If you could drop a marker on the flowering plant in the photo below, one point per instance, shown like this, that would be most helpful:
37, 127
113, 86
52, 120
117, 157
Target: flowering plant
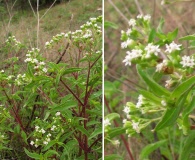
52, 110
166, 104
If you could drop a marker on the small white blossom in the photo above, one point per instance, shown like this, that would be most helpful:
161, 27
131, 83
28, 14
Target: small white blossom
45, 142
187, 61
107, 122
2, 71
140, 16
58, 113
147, 17
135, 126
45, 70
116, 143
36, 145
168, 83
53, 127
41, 63
42, 130
172, 47
124, 120
129, 31
32, 143
135, 53
152, 49
163, 102
126, 109
37, 128
162, 2
126, 43
140, 101
160, 66
132, 22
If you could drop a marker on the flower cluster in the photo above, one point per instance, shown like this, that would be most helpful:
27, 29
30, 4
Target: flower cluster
13, 40
22, 79
33, 59
45, 131
87, 31
55, 39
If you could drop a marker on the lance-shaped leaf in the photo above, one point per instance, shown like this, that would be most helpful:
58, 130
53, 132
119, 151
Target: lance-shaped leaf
178, 91
188, 145
154, 87
150, 96
172, 113
146, 151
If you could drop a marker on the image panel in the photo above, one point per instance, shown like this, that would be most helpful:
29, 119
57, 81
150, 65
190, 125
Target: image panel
149, 80
51, 79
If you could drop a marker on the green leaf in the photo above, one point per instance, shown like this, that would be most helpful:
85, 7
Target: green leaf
188, 145
116, 131
32, 155
160, 26
150, 96
50, 153
24, 136
183, 87
113, 157
112, 116
50, 144
64, 106
172, 35
190, 37
83, 130
95, 133
154, 87
146, 151
108, 24
71, 70
151, 35
172, 112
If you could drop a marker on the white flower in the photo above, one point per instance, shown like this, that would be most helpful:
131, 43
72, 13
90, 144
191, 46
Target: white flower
126, 109
124, 120
32, 143
168, 83
132, 22
36, 145
140, 16
37, 128
162, 2
34, 61
163, 102
58, 113
160, 66
135, 126
107, 122
49, 135
45, 70
41, 63
126, 43
42, 130
172, 47
147, 17
140, 101
53, 127
2, 71
27, 55
129, 31
187, 61
116, 143
152, 49
45, 142
135, 53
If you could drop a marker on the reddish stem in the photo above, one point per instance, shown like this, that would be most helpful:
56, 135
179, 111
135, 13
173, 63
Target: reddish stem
122, 136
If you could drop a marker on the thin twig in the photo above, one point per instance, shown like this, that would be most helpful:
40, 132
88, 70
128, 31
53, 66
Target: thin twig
32, 8
38, 20
48, 9
116, 8
138, 6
